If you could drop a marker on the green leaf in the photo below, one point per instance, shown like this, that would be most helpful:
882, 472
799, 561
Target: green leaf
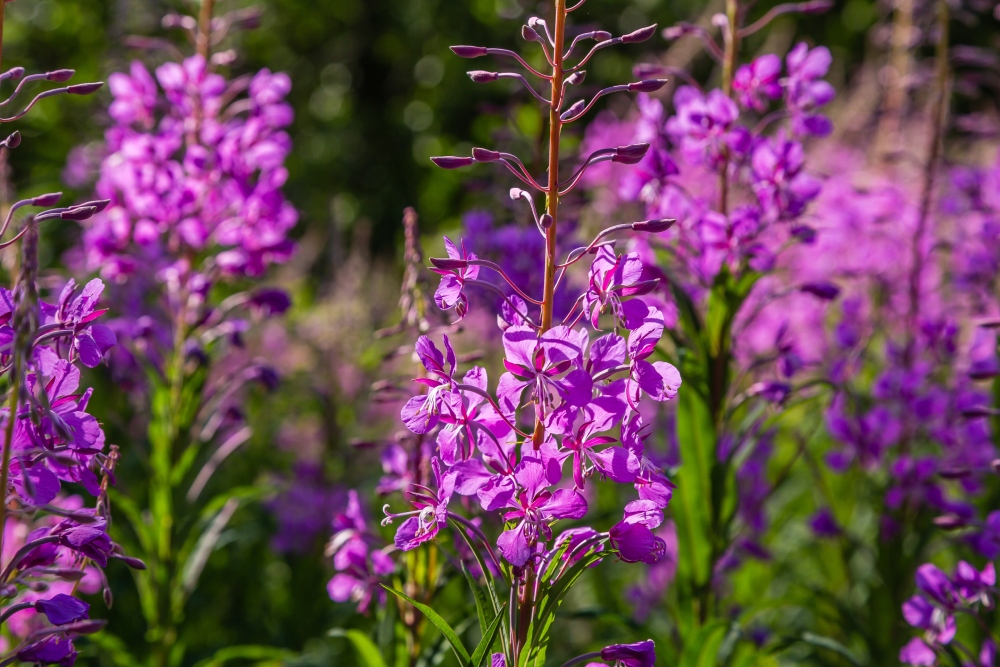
494, 599
480, 597
831, 644
261, 654
442, 625
483, 650
113, 648
363, 644
703, 648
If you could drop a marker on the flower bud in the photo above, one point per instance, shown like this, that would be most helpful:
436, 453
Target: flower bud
469, 51
545, 221
14, 73
978, 411
647, 86
804, 233
647, 71
46, 199
528, 34
481, 76
653, 226
84, 88
78, 213
13, 140
630, 154
821, 289
517, 193
451, 162
573, 110
99, 204
485, 155
989, 323
602, 35
60, 75
640, 35
576, 78
955, 473
449, 264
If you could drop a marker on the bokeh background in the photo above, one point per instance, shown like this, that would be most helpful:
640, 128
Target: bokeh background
376, 93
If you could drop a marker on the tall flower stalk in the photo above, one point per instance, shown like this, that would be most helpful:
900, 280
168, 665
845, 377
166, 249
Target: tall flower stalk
193, 173
563, 402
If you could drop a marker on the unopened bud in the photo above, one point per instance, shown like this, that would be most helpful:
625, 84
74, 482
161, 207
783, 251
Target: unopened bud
989, 323
630, 154
469, 51
84, 88
481, 76
545, 221
485, 155
60, 75
647, 86
448, 263
451, 162
573, 110
576, 78
647, 71
821, 289
640, 35
653, 226
949, 521
640, 288
99, 204
134, 563
13, 140
528, 34
517, 193
14, 73
602, 35
46, 199
78, 213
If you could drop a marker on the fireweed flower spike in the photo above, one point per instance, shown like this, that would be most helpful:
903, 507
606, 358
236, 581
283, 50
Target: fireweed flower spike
189, 200
50, 542
579, 395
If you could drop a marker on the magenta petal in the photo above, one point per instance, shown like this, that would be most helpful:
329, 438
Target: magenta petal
416, 416
342, 586
659, 380
917, 653
616, 463
566, 504
607, 352
576, 388
514, 547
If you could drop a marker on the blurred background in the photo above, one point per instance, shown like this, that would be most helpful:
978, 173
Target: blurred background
375, 93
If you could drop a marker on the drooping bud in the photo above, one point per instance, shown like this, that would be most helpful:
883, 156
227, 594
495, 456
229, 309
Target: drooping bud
640, 288
647, 86
84, 88
469, 51
977, 411
528, 34
60, 75
630, 154
13, 140
78, 213
545, 221
47, 199
821, 289
99, 204
602, 35
647, 71
449, 264
485, 155
653, 226
517, 193
14, 73
576, 108
640, 35
481, 76
452, 162
576, 78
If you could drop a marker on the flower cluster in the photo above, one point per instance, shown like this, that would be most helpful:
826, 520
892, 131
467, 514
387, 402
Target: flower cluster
933, 611
193, 169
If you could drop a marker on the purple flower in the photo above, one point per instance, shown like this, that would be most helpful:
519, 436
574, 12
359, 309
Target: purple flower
533, 507
781, 185
640, 654
757, 80
432, 510
805, 91
52, 650
451, 290
421, 413
545, 366
633, 536
61, 609
917, 653
705, 127
611, 278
